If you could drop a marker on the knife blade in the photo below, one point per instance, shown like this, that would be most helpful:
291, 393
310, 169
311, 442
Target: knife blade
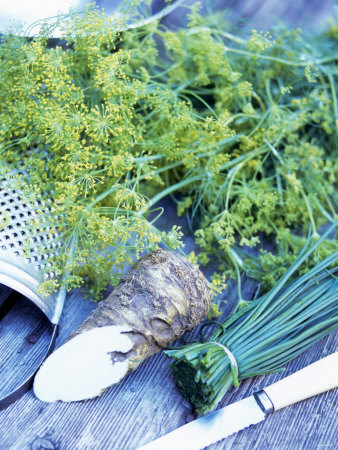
211, 428
314, 379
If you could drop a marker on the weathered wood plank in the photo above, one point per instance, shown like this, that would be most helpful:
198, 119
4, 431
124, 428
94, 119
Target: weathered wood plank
23, 338
147, 404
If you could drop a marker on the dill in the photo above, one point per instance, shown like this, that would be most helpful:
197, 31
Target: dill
242, 131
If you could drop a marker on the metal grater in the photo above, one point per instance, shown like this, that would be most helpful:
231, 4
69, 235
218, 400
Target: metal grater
25, 271
22, 272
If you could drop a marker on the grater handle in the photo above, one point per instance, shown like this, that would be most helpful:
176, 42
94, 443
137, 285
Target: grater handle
27, 384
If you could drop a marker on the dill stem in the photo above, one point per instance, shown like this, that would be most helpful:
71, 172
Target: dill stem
333, 211
230, 36
236, 116
259, 100
242, 159
324, 212
334, 98
167, 191
268, 90
232, 174
172, 166
309, 210
187, 91
164, 72
307, 203
141, 159
328, 59
238, 278
136, 179
279, 188
225, 34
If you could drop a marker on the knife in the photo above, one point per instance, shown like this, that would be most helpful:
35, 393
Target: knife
314, 379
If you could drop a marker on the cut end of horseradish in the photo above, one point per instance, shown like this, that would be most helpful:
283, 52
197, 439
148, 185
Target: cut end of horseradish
83, 367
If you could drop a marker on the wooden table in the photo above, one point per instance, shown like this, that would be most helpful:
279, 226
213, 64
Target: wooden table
147, 403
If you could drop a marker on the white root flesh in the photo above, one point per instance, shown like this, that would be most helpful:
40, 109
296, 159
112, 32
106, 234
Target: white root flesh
83, 367
159, 299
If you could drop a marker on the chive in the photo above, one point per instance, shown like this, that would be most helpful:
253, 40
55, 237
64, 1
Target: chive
264, 336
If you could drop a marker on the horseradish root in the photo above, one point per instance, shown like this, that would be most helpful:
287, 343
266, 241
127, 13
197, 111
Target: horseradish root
161, 297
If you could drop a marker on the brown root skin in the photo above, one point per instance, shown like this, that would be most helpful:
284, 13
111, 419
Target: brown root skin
161, 297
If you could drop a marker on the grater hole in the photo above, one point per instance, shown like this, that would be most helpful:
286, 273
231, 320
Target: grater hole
13, 236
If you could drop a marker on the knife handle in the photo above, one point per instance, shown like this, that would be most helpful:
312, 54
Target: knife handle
314, 379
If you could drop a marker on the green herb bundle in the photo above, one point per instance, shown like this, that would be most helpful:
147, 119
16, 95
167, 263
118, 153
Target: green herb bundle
262, 337
242, 133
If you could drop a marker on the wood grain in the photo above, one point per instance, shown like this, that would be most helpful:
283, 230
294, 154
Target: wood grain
147, 404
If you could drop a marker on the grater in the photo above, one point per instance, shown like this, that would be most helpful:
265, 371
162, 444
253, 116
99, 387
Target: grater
24, 271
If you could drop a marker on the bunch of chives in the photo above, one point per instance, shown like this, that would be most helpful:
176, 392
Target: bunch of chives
264, 336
